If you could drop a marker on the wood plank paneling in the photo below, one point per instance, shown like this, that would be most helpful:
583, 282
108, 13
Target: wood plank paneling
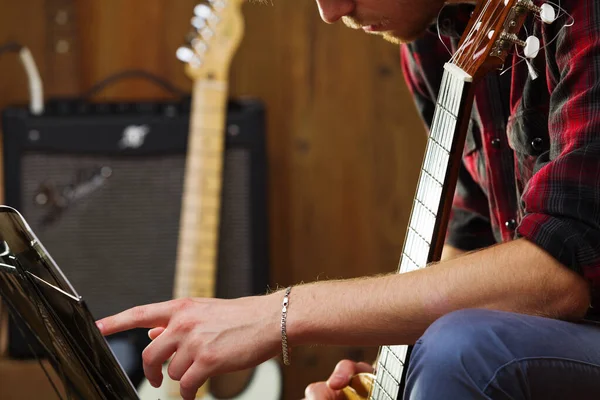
344, 141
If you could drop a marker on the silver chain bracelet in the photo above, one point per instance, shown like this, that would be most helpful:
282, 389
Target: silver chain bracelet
284, 340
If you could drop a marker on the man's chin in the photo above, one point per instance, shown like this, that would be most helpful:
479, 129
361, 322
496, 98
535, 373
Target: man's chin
389, 36
392, 38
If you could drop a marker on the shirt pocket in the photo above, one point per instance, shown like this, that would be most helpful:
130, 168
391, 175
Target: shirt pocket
528, 136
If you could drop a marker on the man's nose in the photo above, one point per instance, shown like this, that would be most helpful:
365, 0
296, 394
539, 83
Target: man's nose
332, 10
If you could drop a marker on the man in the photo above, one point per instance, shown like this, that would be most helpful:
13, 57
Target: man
498, 323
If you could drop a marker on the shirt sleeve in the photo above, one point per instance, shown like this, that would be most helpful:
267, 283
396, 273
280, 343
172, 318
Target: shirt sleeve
562, 200
469, 226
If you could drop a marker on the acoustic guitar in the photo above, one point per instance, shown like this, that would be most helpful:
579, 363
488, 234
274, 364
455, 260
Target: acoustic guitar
218, 31
491, 33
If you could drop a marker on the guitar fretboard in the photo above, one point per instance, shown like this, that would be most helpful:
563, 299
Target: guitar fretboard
424, 233
201, 203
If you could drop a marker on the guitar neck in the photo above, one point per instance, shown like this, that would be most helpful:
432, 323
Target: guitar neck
429, 217
201, 203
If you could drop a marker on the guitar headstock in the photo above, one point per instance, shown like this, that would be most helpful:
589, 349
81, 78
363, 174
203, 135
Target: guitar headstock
492, 32
218, 27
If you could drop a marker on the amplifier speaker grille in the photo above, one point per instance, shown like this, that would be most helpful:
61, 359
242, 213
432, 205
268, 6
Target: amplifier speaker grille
110, 218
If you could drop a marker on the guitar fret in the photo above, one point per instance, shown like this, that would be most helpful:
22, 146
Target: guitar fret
416, 248
422, 220
448, 135
421, 204
406, 263
419, 236
398, 351
378, 390
440, 145
437, 170
387, 381
444, 132
392, 365
459, 86
429, 191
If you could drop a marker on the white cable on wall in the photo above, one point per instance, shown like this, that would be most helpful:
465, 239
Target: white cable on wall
34, 80
36, 88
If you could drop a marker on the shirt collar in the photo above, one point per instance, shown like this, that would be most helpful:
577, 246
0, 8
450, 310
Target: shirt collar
453, 20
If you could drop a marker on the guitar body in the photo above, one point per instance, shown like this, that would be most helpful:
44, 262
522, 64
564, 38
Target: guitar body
265, 384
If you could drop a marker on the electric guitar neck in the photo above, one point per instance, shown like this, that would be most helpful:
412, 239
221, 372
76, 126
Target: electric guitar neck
218, 31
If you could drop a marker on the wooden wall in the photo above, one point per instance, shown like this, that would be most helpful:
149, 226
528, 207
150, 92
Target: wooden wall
344, 141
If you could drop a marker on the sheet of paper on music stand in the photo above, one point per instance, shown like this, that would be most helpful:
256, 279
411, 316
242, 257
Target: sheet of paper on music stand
37, 292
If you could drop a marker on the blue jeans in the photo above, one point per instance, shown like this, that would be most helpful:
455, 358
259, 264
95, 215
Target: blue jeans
482, 354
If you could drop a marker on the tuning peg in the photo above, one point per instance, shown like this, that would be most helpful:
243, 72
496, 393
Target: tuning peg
217, 4
532, 47
198, 22
186, 54
203, 11
206, 33
199, 45
546, 12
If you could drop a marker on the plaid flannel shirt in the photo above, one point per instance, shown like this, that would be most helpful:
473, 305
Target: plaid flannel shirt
531, 162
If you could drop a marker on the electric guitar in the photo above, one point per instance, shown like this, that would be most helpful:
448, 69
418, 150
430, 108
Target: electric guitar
218, 31
492, 31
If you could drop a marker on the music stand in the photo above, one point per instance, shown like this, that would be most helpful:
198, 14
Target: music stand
37, 292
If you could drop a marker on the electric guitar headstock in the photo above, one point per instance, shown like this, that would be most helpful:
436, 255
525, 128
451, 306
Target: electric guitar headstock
493, 30
218, 28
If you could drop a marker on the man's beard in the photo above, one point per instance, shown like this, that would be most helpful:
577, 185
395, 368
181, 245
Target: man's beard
387, 35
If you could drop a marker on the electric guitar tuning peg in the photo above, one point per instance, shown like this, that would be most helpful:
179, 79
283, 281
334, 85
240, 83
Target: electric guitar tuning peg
203, 11
198, 22
185, 54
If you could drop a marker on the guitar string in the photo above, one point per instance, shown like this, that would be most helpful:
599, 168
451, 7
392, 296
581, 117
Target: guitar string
482, 33
452, 88
471, 32
448, 95
448, 98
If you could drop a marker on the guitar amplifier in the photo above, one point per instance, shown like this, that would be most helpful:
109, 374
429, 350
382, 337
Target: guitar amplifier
101, 186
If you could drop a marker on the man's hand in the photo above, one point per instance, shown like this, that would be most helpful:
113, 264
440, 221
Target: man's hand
208, 337
339, 379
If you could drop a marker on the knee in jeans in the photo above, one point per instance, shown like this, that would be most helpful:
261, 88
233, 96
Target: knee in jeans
452, 337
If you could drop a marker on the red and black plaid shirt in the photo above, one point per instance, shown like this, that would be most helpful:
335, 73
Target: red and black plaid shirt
531, 163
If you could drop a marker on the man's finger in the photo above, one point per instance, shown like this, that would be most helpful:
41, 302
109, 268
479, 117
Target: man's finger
147, 316
320, 391
182, 361
191, 382
344, 371
155, 355
155, 332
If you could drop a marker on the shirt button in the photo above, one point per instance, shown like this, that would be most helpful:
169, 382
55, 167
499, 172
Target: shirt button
511, 224
495, 143
537, 144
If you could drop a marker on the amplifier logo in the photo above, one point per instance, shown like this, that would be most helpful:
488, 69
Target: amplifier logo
57, 198
134, 136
